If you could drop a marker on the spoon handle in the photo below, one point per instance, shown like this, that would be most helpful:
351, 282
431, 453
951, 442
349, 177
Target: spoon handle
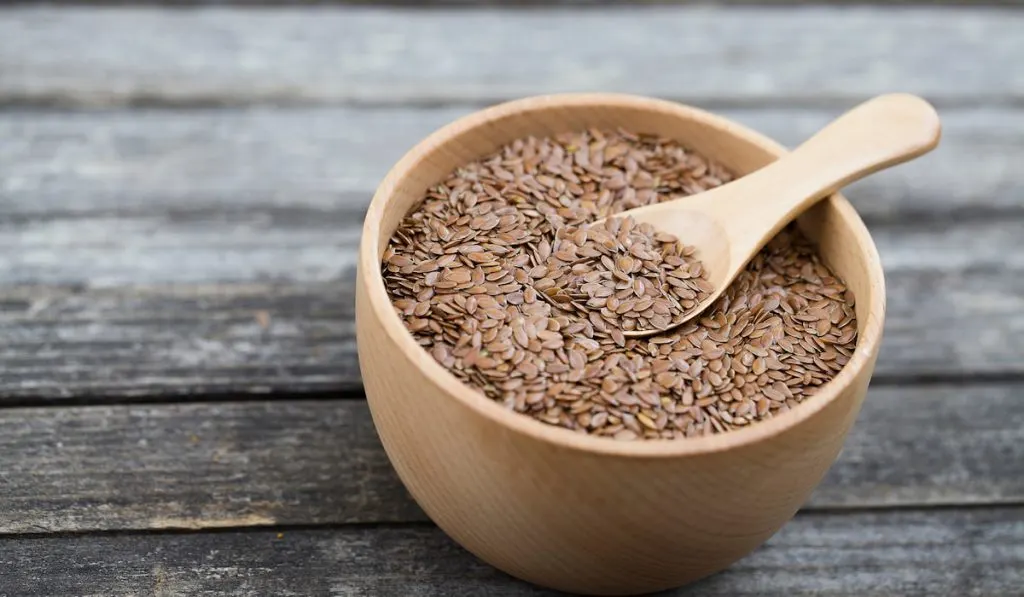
879, 133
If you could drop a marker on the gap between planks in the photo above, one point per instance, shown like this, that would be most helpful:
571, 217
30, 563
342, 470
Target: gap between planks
283, 462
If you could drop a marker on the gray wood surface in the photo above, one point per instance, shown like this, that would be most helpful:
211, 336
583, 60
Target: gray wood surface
124, 164
181, 195
955, 314
806, 54
532, 3
940, 552
66, 344
162, 252
286, 462
72, 344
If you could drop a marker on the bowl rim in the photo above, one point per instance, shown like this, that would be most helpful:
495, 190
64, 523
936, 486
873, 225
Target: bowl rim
379, 302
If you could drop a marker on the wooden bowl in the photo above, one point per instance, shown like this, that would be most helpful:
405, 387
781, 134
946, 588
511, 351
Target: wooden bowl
580, 513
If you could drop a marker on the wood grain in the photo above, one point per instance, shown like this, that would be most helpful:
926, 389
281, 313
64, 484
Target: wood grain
216, 56
911, 553
192, 466
216, 308
224, 163
267, 245
529, 3
141, 250
195, 466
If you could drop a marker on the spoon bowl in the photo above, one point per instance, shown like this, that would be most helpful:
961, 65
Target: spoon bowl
730, 224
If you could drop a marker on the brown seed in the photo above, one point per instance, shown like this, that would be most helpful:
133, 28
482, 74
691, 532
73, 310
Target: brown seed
646, 421
440, 353
667, 380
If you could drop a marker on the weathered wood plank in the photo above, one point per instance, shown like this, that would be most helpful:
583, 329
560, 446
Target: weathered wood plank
370, 55
144, 244
206, 309
307, 245
530, 3
225, 163
956, 552
195, 466
253, 338
319, 462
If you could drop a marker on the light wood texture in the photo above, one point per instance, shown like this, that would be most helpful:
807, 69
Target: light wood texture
483, 473
967, 553
304, 462
730, 224
699, 53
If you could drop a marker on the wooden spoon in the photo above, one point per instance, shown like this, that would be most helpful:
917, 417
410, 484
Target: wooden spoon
730, 224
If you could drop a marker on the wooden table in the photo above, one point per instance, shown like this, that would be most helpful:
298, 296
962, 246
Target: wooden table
181, 195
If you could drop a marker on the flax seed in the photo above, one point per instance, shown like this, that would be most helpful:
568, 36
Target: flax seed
503, 277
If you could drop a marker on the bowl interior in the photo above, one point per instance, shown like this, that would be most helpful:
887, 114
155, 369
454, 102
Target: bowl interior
833, 225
